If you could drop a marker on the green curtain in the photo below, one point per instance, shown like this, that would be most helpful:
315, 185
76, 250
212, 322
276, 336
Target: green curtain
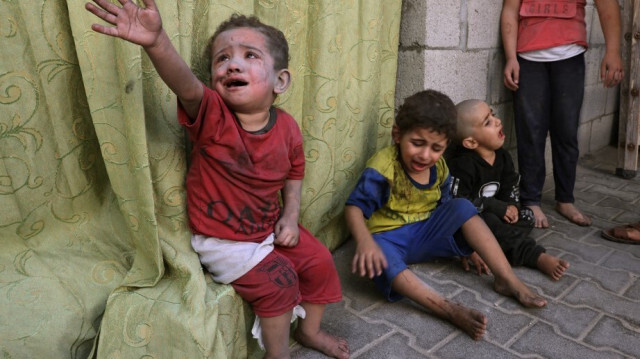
93, 227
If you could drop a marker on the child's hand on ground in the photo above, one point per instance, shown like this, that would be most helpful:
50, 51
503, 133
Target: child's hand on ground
474, 258
368, 259
140, 26
512, 214
287, 233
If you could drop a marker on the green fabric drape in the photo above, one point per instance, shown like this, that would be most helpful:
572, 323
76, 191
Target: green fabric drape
93, 223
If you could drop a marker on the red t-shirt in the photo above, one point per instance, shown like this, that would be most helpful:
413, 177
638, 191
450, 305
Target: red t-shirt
235, 176
548, 23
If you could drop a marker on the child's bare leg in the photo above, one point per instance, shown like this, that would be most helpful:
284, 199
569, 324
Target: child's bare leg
275, 335
552, 266
310, 335
471, 321
481, 239
539, 216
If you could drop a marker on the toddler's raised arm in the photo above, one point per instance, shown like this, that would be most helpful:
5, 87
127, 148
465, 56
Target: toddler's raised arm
143, 26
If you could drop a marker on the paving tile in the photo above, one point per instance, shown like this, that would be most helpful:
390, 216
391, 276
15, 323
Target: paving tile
590, 209
592, 253
542, 283
611, 333
543, 340
618, 205
627, 260
632, 187
609, 190
628, 217
483, 285
358, 331
538, 233
611, 278
361, 291
634, 290
462, 348
600, 223
590, 195
396, 346
569, 320
560, 227
590, 295
435, 266
598, 178
415, 321
445, 287
363, 299
501, 324
596, 239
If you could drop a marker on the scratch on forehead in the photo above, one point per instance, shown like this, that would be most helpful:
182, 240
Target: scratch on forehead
228, 40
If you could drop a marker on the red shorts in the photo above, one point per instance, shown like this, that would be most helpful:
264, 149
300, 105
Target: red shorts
290, 275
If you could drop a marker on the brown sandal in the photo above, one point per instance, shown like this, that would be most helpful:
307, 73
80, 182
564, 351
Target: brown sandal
629, 234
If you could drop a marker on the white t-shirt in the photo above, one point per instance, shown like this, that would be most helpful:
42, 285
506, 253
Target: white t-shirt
556, 53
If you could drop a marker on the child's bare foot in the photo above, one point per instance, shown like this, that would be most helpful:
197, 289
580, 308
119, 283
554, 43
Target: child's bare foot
552, 266
540, 217
327, 344
470, 321
519, 291
573, 214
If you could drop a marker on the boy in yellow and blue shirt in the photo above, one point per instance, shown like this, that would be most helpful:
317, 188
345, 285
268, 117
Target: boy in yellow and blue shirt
401, 212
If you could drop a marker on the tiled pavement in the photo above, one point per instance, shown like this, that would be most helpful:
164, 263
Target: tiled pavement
593, 311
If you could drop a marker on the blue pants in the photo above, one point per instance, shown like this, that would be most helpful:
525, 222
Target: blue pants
548, 100
437, 236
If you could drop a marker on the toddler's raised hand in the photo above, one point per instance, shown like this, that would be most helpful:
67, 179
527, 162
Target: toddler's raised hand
132, 23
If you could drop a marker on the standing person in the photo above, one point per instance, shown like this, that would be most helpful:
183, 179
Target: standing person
246, 153
483, 172
401, 212
544, 43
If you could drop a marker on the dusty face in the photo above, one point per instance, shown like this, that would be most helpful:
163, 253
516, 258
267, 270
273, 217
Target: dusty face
420, 149
242, 70
487, 128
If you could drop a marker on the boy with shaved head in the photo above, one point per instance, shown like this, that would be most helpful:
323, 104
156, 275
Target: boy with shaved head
483, 172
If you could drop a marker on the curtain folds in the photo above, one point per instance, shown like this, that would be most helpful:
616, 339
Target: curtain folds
92, 162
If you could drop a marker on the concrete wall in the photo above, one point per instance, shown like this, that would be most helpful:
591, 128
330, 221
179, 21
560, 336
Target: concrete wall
455, 47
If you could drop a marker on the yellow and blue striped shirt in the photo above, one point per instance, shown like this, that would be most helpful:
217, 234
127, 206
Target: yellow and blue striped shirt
389, 198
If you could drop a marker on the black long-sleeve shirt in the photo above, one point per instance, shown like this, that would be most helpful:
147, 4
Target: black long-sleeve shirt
490, 187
